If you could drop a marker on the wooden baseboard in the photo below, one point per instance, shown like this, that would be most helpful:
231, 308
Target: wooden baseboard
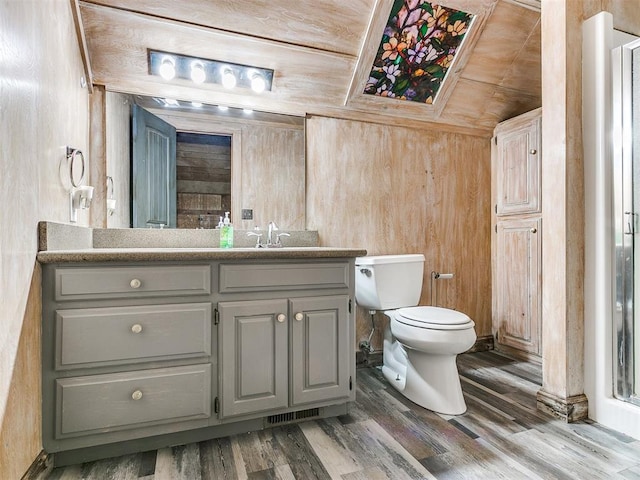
40, 468
570, 409
519, 354
483, 344
364, 359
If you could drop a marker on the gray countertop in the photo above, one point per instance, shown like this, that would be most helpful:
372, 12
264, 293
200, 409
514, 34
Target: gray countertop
186, 254
63, 243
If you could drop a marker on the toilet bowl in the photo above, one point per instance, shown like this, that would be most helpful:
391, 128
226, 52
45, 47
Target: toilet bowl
421, 342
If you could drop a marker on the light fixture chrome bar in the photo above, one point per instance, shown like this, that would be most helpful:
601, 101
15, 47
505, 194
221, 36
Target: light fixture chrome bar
206, 71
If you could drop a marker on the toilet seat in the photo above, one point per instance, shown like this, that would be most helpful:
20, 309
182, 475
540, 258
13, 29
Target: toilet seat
433, 318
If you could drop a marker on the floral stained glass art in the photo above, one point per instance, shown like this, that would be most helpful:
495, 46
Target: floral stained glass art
417, 48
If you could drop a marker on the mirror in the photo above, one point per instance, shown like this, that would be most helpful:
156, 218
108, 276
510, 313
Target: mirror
266, 175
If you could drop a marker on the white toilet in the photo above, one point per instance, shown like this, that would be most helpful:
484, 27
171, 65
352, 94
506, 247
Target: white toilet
421, 343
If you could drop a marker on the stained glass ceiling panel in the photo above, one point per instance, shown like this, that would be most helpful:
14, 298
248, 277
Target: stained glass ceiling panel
418, 45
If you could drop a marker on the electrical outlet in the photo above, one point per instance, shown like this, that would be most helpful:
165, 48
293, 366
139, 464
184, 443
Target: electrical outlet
247, 214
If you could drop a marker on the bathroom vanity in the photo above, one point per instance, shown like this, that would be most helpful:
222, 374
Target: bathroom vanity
143, 348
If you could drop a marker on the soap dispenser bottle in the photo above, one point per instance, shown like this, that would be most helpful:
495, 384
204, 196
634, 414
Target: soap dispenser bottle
226, 232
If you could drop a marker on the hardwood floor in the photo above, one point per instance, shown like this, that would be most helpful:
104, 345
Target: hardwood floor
385, 436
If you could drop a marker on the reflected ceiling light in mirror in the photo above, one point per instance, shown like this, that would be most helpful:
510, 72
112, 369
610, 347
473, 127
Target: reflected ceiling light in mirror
198, 75
167, 68
201, 71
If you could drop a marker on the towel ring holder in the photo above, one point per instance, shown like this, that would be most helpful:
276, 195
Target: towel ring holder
72, 154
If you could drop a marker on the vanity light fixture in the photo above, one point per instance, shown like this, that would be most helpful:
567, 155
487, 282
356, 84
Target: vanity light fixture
258, 83
247, 111
167, 68
196, 104
228, 78
223, 108
179, 68
198, 75
171, 101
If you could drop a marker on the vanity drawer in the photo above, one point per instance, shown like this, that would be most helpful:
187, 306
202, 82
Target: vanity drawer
75, 283
89, 337
248, 277
103, 403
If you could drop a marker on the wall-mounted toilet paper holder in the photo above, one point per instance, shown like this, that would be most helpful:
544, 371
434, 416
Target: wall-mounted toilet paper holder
434, 286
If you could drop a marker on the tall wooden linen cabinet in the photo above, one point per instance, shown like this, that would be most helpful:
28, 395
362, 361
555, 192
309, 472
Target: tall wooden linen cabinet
516, 239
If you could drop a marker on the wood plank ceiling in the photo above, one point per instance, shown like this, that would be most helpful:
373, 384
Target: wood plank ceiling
321, 53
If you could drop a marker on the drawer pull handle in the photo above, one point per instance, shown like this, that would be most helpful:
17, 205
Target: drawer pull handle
137, 395
135, 283
281, 317
137, 328
299, 316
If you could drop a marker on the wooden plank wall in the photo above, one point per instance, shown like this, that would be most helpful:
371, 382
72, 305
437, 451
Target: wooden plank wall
399, 190
118, 161
203, 183
273, 173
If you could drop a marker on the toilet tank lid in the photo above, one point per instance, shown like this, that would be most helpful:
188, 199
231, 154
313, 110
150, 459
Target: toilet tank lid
378, 259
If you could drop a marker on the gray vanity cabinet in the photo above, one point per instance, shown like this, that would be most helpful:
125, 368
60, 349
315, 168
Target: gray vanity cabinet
126, 352
149, 354
320, 352
279, 353
252, 350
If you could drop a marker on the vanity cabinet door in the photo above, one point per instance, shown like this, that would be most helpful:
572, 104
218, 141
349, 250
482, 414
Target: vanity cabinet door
320, 350
253, 356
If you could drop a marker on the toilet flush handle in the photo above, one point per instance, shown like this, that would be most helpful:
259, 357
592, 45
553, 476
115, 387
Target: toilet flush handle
365, 271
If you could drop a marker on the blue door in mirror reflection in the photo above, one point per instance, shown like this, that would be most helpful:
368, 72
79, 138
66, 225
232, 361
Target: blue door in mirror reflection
153, 179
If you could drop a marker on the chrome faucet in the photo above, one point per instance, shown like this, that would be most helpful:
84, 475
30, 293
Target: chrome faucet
272, 228
258, 237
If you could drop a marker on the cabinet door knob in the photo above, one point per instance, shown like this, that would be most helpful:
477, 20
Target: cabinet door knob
135, 283
281, 317
137, 328
137, 395
534, 230
299, 316
533, 151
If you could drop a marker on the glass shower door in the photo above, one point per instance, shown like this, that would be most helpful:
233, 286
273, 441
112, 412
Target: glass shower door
626, 162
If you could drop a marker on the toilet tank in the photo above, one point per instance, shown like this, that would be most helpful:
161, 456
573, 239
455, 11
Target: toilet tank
386, 282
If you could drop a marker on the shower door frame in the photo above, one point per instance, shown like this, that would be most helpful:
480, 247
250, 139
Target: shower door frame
626, 206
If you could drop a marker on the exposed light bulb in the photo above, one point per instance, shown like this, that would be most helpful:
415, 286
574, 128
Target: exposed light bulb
228, 78
198, 75
258, 83
167, 68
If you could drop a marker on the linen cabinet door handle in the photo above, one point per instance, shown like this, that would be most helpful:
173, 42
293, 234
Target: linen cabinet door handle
135, 283
137, 395
137, 328
281, 317
299, 316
